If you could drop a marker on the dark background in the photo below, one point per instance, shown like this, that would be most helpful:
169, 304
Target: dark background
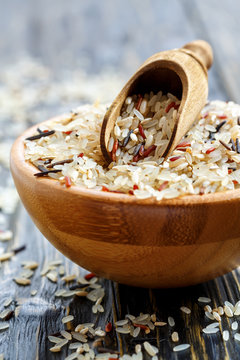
120, 34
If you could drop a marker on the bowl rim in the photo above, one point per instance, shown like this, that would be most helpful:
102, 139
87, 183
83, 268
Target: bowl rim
17, 152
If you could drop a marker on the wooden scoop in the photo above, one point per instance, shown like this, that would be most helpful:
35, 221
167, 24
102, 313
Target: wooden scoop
182, 72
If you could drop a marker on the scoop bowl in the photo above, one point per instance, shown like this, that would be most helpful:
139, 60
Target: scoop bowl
147, 243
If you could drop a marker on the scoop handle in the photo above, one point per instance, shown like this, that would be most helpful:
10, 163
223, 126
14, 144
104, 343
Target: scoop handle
203, 50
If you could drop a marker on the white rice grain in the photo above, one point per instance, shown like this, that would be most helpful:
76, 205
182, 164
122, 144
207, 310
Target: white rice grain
234, 325
185, 309
204, 299
210, 330
171, 321
237, 336
4, 325
175, 337
67, 319
225, 335
150, 349
181, 347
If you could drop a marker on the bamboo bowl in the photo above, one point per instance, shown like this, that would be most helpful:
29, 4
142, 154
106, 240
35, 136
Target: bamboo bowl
171, 243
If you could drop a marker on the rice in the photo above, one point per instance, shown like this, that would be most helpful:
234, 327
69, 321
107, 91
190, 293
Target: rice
204, 299
237, 337
212, 330
122, 330
209, 315
55, 349
146, 121
6, 256
216, 316
228, 311
22, 281
225, 335
4, 325
200, 164
150, 349
185, 309
8, 302
67, 319
181, 347
6, 235
54, 339
160, 323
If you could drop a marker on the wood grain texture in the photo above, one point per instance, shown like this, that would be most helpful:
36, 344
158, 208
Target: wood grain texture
182, 72
37, 27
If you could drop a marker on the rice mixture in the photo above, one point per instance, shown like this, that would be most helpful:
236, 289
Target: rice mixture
206, 160
144, 127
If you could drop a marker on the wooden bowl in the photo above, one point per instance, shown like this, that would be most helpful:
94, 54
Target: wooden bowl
147, 243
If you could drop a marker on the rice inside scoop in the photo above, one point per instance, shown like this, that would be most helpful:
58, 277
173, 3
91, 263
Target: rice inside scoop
207, 159
144, 127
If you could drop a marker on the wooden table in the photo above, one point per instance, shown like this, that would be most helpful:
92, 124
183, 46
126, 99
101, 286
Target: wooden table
121, 34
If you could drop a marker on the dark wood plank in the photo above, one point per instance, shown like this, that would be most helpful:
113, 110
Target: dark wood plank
217, 22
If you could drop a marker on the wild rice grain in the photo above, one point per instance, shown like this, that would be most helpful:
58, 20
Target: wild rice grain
39, 136
218, 127
171, 321
185, 309
4, 315
233, 145
237, 146
225, 145
204, 299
